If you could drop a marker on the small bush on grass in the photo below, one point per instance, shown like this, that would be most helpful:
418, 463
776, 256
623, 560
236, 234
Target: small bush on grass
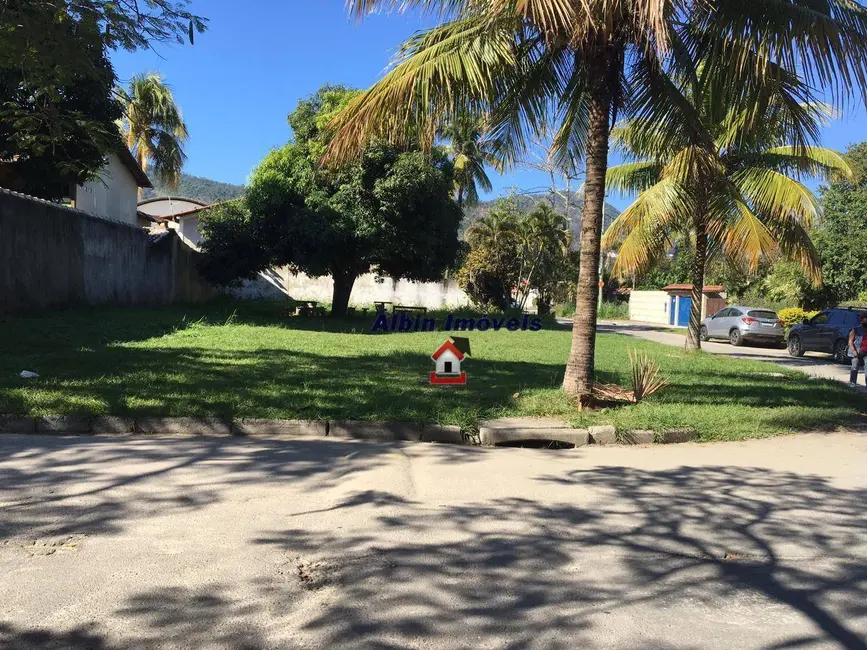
614, 311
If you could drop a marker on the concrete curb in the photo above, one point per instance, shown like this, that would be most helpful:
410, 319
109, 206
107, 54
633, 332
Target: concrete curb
638, 437
17, 424
112, 424
64, 424
188, 426
603, 435
491, 432
685, 434
373, 430
252, 427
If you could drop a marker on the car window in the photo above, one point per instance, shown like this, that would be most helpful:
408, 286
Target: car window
762, 313
735, 312
820, 319
838, 318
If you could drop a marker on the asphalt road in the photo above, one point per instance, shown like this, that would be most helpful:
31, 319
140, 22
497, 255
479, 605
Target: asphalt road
812, 363
135, 543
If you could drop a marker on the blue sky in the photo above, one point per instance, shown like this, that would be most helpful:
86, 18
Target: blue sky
258, 58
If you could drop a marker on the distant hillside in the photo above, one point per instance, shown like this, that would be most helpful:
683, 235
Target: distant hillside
528, 202
195, 187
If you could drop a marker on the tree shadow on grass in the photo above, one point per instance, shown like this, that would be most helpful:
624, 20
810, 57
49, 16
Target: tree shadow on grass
277, 383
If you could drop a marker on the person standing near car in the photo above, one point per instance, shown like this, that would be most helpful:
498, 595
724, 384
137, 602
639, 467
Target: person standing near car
858, 349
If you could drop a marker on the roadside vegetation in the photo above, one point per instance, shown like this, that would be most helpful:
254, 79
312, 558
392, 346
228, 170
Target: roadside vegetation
232, 359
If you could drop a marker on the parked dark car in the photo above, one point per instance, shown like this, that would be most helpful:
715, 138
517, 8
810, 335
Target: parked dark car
827, 331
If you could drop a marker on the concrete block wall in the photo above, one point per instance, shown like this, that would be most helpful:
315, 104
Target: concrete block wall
53, 256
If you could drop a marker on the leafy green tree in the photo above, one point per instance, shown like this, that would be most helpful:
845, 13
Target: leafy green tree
33, 32
544, 241
236, 246
57, 115
390, 211
841, 235
491, 271
153, 127
55, 129
515, 253
666, 270
532, 63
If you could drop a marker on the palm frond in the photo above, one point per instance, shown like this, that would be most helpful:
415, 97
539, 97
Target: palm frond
738, 230
817, 162
776, 196
447, 70
633, 177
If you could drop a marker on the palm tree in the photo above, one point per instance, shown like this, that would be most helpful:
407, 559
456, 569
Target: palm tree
736, 194
470, 153
492, 231
153, 126
533, 63
542, 235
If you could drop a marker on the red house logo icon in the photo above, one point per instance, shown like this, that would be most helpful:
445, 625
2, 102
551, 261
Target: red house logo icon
448, 359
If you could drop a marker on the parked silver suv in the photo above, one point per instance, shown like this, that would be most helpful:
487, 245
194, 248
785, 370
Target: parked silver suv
739, 324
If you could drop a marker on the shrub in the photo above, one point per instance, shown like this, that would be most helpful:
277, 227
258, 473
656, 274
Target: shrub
614, 311
791, 316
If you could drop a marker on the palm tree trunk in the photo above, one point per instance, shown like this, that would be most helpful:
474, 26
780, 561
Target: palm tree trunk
578, 380
693, 336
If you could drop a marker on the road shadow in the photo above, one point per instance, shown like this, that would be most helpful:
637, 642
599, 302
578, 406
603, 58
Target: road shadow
70, 486
740, 552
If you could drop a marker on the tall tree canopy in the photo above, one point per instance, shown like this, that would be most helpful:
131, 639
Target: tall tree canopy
153, 127
389, 211
841, 236
57, 119
532, 64
56, 127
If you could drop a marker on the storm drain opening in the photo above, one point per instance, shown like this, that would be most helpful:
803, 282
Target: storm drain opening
537, 444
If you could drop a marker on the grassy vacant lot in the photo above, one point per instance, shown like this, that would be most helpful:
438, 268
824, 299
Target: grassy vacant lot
250, 360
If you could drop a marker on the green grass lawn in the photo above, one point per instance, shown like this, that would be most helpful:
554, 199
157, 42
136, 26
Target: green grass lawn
249, 360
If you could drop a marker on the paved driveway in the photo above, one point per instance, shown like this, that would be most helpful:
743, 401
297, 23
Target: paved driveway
812, 363
223, 543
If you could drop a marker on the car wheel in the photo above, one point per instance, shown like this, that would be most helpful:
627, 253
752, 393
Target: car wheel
841, 351
703, 334
736, 338
794, 346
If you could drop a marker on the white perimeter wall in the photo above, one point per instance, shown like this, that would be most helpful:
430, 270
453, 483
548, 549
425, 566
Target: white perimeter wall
649, 306
433, 295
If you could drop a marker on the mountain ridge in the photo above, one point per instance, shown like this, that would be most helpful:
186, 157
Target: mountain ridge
526, 202
198, 188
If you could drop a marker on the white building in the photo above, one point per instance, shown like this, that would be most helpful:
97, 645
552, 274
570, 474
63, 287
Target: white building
176, 212
114, 195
